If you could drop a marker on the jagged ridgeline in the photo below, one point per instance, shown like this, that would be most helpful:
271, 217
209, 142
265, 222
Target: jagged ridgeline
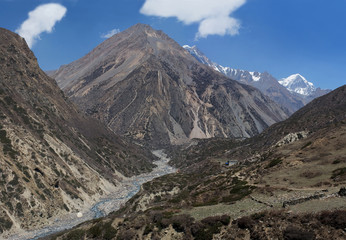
142, 84
53, 159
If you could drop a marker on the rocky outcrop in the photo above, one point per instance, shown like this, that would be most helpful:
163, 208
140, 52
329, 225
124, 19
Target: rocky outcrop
292, 137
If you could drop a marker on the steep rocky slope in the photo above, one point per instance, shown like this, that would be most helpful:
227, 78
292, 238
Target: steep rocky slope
317, 116
144, 85
53, 159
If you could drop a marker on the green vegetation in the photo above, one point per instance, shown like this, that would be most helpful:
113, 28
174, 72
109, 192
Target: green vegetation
239, 190
209, 226
77, 234
5, 224
95, 231
109, 231
19, 209
273, 163
7, 145
339, 174
14, 182
306, 145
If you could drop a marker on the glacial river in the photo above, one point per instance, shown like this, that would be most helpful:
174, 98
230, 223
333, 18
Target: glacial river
128, 188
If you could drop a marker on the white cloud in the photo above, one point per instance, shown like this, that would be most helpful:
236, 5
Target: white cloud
41, 19
110, 33
213, 16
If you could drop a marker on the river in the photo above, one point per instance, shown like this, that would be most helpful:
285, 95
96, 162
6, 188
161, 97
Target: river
112, 202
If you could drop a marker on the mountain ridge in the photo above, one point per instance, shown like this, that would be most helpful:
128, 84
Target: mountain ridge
54, 160
290, 99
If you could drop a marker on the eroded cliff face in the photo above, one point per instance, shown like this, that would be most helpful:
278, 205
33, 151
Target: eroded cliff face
53, 159
143, 84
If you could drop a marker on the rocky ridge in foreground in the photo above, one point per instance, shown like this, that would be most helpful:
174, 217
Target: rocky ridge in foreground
53, 159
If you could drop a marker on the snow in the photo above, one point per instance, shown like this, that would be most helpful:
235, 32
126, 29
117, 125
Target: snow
256, 76
298, 84
295, 83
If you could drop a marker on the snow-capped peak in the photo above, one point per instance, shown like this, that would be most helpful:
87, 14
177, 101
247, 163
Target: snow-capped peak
298, 84
188, 47
240, 75
194, 51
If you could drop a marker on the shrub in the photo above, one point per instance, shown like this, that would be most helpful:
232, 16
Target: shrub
245, 223
294, 233
339, 174
336, 219
148, 229
273, 163
109, 231
5, 224
310, 174
77, 234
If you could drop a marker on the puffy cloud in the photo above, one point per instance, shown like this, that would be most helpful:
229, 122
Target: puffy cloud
213, 16
41, 19
110, 33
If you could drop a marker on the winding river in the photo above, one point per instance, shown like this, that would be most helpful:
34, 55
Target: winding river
129, 187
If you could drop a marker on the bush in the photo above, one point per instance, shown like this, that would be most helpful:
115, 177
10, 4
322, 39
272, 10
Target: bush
109, 231
339, 174
245, 223
294, 233
180, 222
126, 234
77, 234
273, 163
336, 219
310, 174
5, 224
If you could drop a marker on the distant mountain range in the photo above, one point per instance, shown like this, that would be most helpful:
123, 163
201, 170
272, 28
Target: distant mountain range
292, 93
142, 84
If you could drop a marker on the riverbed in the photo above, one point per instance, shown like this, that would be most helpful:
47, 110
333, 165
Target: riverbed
112, 202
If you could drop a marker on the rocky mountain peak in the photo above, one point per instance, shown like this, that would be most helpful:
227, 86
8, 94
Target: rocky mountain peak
142, 84
298, 84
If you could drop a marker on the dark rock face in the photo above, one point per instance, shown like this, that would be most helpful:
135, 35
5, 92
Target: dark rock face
143, 84
53, 159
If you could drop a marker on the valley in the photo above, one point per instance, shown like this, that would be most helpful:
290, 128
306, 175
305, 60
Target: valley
80, 161
126, 189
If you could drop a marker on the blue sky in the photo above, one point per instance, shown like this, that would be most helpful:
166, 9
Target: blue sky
282, 37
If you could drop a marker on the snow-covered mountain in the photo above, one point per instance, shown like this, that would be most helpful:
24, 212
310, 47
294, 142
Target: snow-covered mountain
291, 93
236, 74
296, 83
265, 82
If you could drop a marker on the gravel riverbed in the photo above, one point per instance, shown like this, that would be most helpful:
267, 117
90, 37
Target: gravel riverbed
126, 189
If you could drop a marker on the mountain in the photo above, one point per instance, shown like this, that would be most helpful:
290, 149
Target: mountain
299, 86
53, 160
144, 85
318, 118
292, 93
292, 190
296, 83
